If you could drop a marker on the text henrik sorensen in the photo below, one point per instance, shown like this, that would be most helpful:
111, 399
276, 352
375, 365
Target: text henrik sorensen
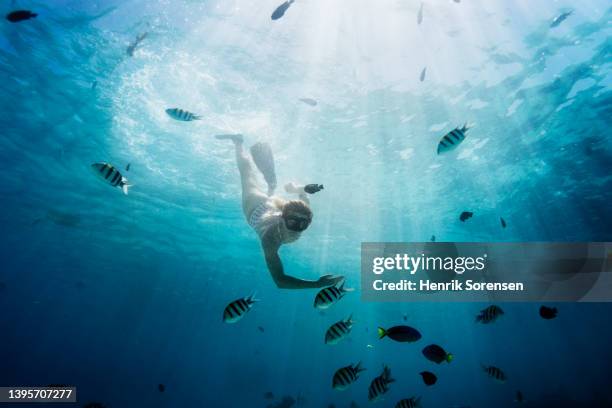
454, 285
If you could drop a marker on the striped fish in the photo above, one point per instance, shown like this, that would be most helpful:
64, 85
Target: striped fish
339, 331
489, 315
452, 139
346, 376
495, 373
409, 403
182, 115
380, 384
330, 295
111, 175
238, 308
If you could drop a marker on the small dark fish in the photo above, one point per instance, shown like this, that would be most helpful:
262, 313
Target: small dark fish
269, 395
466, 215
400, 333
433, 238
313, 188
548, 312
20, 15
161, 387
495, 373
452, 139
132, 47
94, 84
457, 1
354, 405
503, 222
345, 376
238, 308
331, 406
420, 15
437, 354
423, 73
127, 168
489, 315
405, 317
380, 384
409, 403
280, 10
560, 18
309, 101
261, 329
286, 402
519, 397
429, 378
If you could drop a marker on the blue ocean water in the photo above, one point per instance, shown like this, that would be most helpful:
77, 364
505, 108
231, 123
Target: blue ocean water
116, 294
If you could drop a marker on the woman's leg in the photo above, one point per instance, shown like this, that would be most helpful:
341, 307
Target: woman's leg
252, 196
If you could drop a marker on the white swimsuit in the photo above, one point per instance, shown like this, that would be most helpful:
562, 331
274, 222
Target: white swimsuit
265, 216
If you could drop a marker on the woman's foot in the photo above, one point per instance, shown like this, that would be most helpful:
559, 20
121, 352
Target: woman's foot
236, 138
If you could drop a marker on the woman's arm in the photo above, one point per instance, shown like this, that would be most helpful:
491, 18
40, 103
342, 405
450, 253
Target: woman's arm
299, 190
283, 281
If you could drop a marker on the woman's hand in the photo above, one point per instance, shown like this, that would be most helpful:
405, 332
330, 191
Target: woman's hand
329, 280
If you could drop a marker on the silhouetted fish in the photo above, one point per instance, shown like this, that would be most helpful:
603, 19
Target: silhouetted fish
339, 330
313, 188
519, 397
560, 18
345, 376
433, 238
269, 395
286, 402
429, 378
423, 73
489, 315
127, 167
20, 15
161, 387
411, 402
437, 354
548, 312
420, 15
380, 385
503, 222
465, 215
400, 333
280, 10
261, 329
495, 373
309, 101
132, 47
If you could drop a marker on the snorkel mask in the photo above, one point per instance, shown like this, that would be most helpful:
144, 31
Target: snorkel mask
297, 215
297, 222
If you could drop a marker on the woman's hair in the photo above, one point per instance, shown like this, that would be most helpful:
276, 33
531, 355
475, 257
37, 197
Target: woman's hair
297, 206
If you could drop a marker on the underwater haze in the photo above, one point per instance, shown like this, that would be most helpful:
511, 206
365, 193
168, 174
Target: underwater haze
116, 293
